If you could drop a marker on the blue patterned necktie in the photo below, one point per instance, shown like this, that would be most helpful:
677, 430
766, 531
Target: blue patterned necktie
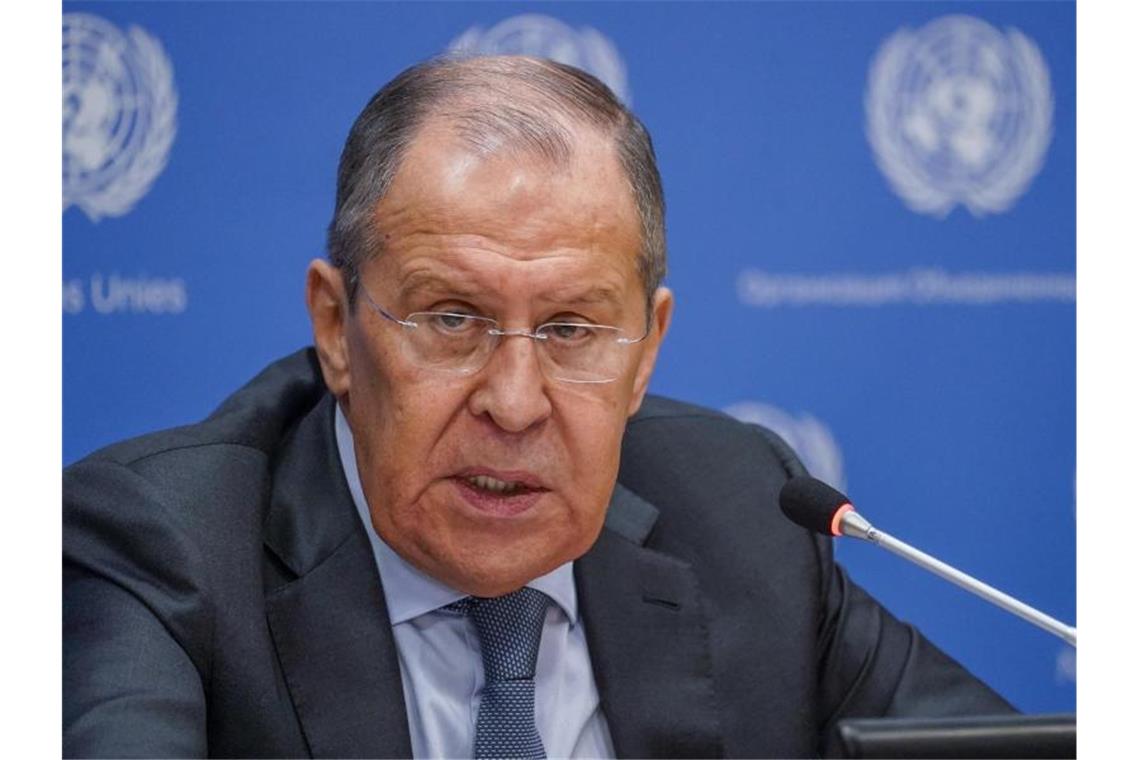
509, 628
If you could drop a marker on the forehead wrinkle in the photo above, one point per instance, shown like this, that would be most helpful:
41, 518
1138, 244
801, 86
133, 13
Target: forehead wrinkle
518, 211
495, 274
602, 293
481, 238
425, 278
443, 226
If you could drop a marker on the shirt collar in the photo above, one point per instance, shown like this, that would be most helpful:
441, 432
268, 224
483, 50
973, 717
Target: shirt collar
408, 591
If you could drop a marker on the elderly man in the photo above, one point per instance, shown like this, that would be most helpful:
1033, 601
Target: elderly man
458, 526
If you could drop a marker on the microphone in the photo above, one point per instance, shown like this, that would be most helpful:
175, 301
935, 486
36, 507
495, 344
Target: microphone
817, 506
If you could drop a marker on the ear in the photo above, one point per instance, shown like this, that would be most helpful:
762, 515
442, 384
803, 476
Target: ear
662, 314
327, 301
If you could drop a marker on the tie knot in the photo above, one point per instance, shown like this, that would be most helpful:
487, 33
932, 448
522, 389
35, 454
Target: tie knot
510, 629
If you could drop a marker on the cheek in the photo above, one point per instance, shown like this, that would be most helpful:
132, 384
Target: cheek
399, 422
397, 471
594, 427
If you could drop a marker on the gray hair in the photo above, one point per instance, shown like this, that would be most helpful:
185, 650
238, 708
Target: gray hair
523, 103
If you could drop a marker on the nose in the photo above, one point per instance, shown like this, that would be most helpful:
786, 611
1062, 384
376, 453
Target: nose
511, 388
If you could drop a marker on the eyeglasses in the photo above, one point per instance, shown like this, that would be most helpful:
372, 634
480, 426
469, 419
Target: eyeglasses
571, 352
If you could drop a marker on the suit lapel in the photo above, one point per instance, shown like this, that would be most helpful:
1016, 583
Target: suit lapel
648, 640
328, 618
642, 611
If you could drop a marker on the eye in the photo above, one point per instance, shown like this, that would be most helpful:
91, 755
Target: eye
451, 322
568, 333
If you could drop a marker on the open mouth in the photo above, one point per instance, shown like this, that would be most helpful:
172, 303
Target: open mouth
496, 486
499, 495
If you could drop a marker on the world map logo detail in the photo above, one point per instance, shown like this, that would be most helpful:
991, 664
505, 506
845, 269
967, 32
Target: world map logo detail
959, 113
119, 115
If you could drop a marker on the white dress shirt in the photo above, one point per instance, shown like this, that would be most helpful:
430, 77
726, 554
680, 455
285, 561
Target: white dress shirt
441, 665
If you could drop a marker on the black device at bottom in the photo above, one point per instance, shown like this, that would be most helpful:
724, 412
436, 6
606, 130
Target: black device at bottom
1025, 736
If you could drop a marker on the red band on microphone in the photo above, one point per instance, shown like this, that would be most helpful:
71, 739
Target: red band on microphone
837, 519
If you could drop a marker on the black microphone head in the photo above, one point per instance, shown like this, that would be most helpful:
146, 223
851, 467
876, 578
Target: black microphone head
811, 503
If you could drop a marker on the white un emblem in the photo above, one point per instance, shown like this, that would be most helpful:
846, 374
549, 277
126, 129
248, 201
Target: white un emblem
545, 37
957, 112
119, 108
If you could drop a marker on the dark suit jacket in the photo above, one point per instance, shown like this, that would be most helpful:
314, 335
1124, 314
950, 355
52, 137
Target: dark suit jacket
221, 597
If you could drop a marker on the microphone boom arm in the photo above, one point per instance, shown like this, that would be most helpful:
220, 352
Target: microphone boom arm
856, 526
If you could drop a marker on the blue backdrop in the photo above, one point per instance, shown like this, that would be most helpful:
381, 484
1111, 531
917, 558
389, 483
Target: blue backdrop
871, 229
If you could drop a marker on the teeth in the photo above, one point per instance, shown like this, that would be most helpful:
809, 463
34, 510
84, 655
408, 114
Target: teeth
491, 484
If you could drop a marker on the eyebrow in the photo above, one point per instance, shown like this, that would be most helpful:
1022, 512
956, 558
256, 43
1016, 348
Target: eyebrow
422, 279
425, 280
596, 294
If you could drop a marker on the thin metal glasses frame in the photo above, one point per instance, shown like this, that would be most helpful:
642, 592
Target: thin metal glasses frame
497, 331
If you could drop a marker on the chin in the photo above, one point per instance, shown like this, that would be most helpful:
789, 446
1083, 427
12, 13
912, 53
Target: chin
499, 580
495, 588
494, 571
489, 558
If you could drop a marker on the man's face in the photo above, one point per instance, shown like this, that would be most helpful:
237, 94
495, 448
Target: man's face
518, 239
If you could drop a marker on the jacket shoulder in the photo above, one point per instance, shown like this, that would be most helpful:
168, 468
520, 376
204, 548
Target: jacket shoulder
206, 485
257, 417
670, 429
